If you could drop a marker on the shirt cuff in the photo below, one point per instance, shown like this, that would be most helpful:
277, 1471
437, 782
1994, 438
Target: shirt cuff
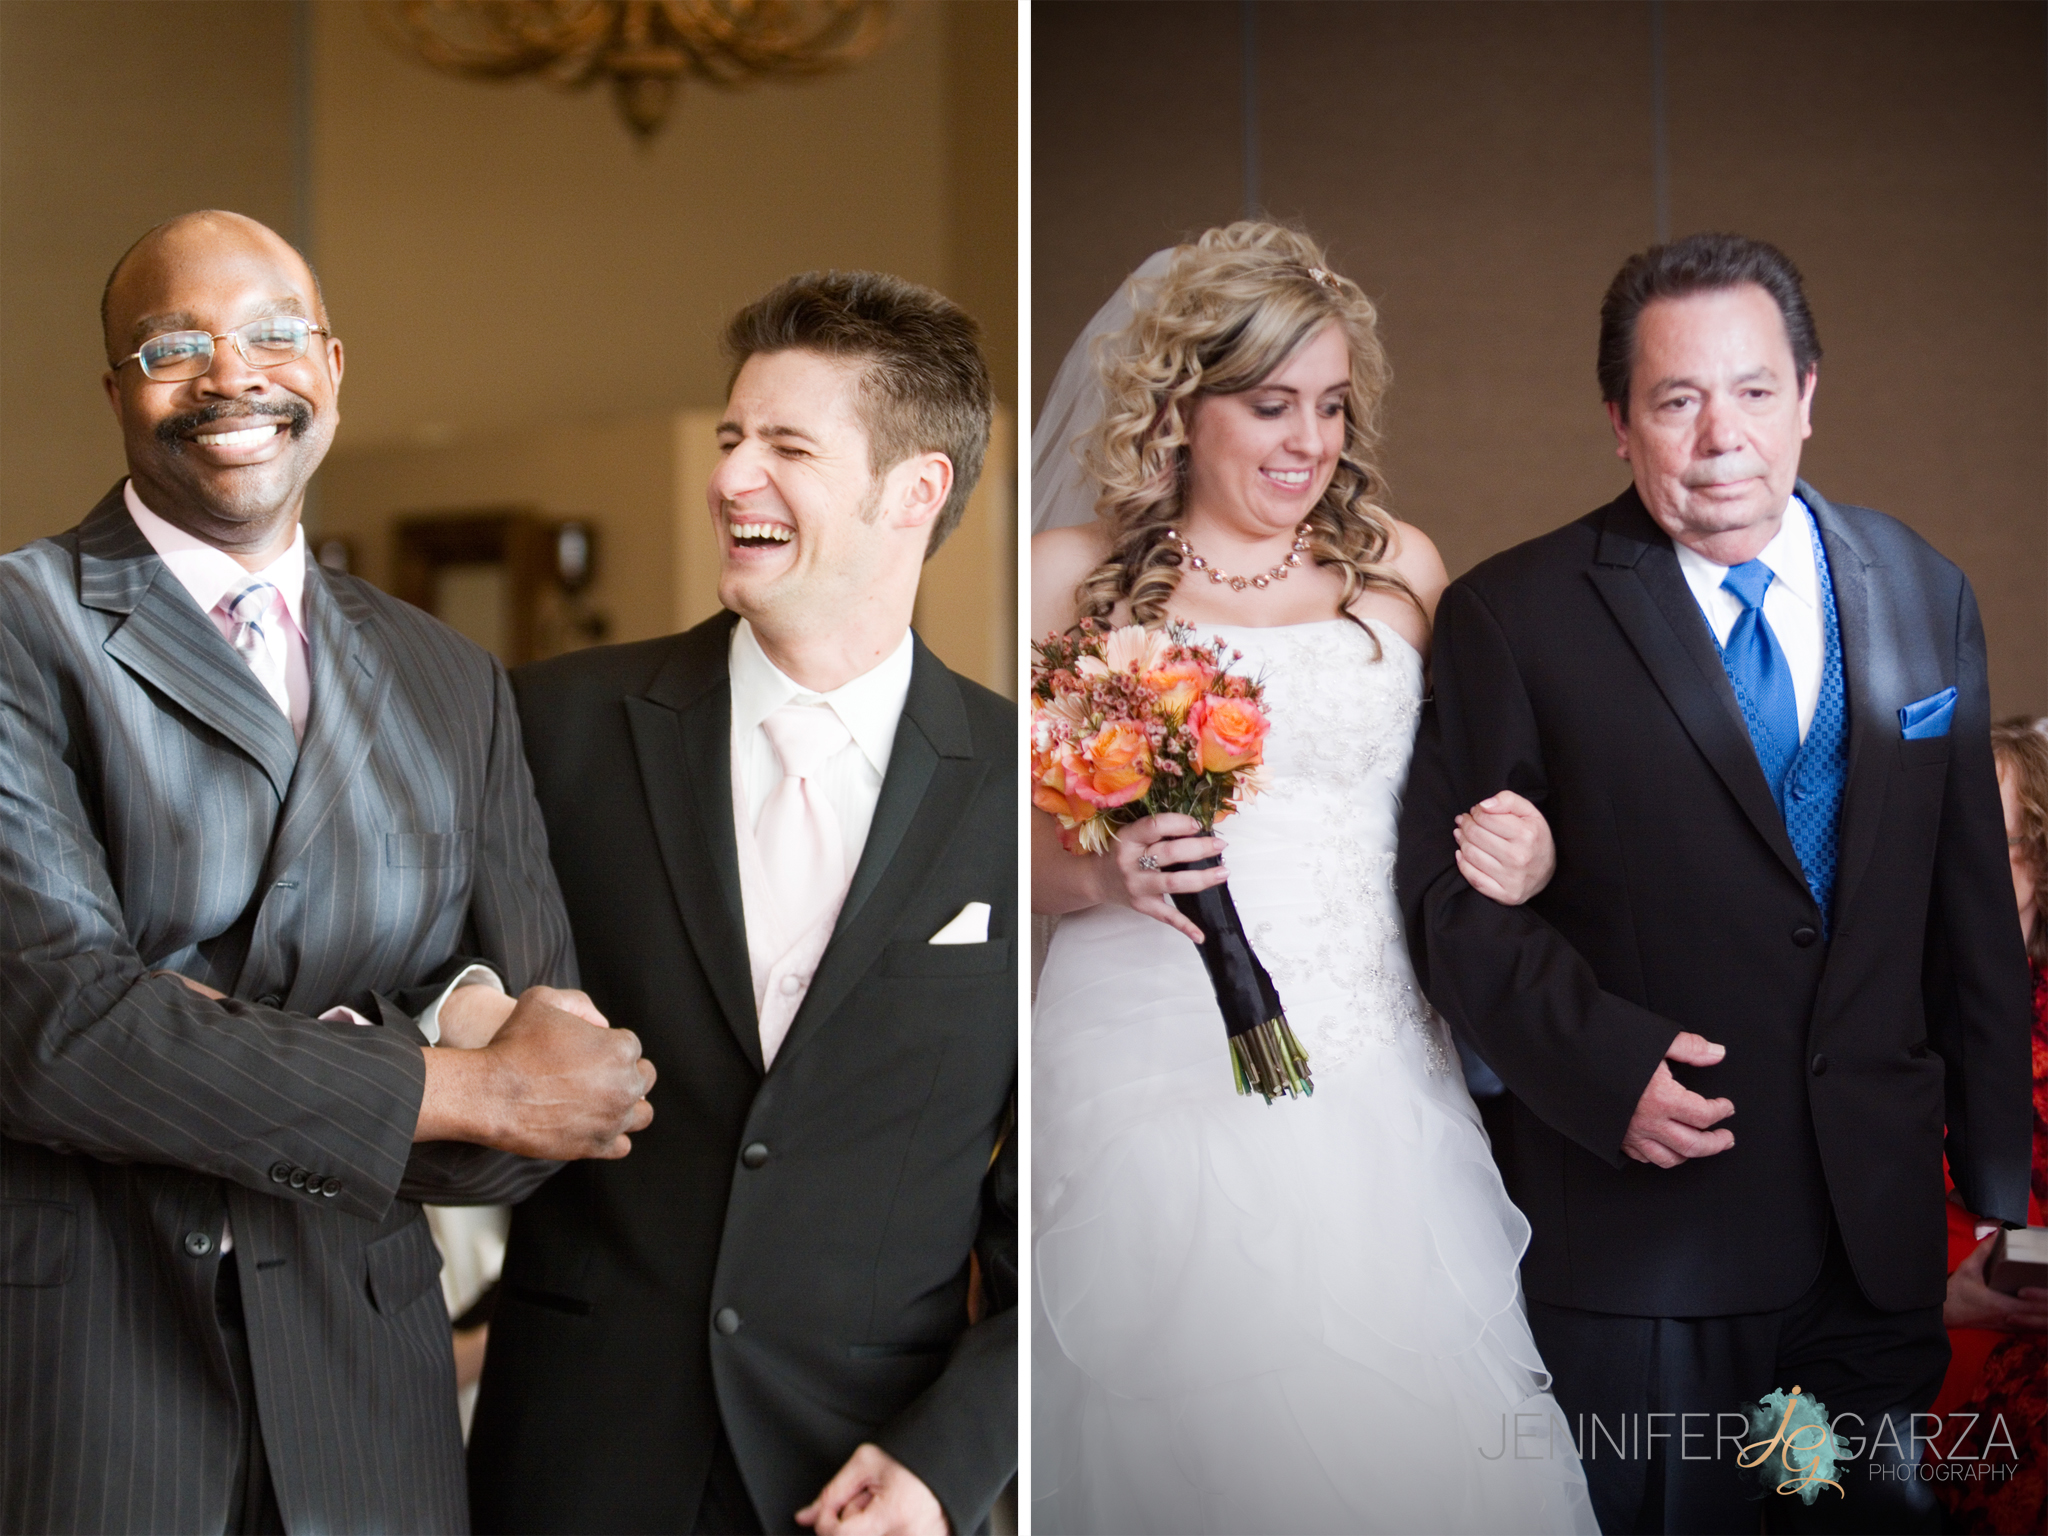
474, 976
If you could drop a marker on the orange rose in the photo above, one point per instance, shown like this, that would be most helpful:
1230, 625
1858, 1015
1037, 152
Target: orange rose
1232, 733
1179, 684
1052, 776
1116, 767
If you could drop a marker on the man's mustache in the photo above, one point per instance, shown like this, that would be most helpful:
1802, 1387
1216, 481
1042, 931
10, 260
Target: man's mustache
1736, 466
173, 430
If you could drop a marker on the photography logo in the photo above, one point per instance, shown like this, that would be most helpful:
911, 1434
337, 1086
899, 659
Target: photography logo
1801, 1453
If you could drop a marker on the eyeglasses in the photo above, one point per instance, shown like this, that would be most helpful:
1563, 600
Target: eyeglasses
269, 342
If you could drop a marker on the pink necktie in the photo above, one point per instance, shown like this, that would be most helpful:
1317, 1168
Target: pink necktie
258, 636
798, 834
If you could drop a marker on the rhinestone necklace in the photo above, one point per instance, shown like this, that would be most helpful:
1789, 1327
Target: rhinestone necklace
1239, 583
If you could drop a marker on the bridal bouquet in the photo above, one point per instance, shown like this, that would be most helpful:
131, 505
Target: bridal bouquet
1131, 722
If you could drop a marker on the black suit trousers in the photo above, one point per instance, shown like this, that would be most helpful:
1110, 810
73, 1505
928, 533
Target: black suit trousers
1871, 1370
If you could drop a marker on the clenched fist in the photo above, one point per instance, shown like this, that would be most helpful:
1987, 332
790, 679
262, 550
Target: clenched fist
547, 1086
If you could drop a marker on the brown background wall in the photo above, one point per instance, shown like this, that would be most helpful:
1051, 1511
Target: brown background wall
503, 261
1483, 168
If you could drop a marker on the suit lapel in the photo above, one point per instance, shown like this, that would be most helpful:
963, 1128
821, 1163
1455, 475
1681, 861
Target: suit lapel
682, 736
167, 642
1637, 575
348, 681
1869, 651
932, 781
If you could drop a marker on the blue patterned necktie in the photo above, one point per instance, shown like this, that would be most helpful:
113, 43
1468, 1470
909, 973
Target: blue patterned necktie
1758, 664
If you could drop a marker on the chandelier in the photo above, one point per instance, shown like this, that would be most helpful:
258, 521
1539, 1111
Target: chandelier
643, 48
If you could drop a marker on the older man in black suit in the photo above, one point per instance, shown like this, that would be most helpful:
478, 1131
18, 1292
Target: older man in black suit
787, 840
259, 825
1776, 970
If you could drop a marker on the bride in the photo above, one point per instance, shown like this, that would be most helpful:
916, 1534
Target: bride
1301, 1317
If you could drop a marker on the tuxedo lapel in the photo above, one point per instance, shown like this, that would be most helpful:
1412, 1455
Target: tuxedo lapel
1869, 653
167, 642
682, 735
931, 783
347, 684
1637, 575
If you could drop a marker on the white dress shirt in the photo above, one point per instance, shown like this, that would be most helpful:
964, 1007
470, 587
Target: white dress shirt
869, 707
1792, 604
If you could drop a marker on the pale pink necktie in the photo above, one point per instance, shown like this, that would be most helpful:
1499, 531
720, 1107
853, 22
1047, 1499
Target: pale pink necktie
799, 834
259, 635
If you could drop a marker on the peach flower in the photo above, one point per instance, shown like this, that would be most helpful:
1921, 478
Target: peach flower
1133, 648
1179, 684
1232, 733
1052, 775
1116, 767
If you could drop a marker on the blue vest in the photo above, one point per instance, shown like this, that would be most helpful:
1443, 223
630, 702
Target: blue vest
1810, 799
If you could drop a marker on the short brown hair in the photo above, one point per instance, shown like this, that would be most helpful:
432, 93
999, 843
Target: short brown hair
925, 387
1698, 264
2020, 745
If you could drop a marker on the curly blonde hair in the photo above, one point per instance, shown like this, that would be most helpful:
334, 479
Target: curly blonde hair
2021, 745
1232, 307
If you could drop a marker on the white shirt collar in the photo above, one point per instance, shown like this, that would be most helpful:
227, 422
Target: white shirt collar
1789, 555
210, 574
870, 706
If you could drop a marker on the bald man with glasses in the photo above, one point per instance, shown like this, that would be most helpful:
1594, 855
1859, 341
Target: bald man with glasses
270, 869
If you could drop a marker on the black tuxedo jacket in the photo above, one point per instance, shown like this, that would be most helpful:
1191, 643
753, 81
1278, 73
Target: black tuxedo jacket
156, 813
786, 1253
1578, 670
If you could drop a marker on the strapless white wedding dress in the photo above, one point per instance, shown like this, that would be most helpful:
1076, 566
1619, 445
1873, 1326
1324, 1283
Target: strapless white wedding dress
1294, 1318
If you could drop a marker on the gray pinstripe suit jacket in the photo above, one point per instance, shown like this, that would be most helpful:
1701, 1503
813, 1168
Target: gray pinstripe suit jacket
155, 812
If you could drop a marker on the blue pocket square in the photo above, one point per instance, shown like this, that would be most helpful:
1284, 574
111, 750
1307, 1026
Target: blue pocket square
1929, 717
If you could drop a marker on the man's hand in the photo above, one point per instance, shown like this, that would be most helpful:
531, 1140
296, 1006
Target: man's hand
874, 1494
473, 1014
1505, 850
197, 986
1971, 1303
1672, 1123
548, 1085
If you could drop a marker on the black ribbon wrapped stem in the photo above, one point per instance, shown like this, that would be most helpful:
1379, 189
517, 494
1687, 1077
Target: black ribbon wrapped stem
1264, 1055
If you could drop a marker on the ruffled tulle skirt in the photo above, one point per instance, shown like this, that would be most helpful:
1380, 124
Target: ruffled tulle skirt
1297, 1318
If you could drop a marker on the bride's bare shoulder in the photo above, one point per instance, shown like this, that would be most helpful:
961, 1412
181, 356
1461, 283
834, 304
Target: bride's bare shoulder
1412, 553
1061, 559
1413, 557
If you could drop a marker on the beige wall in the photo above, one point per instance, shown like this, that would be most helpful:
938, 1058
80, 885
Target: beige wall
529, 297
88, 161
1483, 168
582, 273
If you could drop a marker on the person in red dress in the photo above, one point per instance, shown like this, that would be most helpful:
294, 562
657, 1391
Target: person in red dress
1993, 1405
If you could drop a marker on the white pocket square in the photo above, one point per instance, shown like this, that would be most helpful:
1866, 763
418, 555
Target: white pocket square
970, 927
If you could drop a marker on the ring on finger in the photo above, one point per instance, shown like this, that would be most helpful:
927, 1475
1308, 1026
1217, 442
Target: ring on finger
1149, 861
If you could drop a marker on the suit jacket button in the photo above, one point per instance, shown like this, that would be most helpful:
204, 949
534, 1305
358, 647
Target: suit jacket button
279, 1172
330, 1186
298, 1178
269, 1000
198, 1244
727, 1321
754, 1154
1804, 935
1820, 1066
